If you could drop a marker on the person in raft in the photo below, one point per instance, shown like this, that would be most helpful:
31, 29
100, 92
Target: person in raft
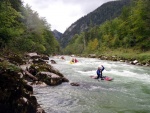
99, 72
62, 57
74, 60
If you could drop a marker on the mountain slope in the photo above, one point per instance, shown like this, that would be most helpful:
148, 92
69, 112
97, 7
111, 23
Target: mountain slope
107, 11
57, 34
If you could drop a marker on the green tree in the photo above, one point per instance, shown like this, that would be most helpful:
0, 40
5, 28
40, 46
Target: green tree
92, 46
9, 26
140, 23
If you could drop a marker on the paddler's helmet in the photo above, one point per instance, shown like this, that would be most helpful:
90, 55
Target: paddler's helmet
99, 67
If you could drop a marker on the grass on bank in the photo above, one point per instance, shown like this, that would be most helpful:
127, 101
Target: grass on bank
128, 54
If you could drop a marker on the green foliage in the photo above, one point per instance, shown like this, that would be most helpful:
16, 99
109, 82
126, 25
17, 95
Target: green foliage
76, 45
6, 65
27, 32
9, 26
131, 30
38, 34
92, 46
141, 19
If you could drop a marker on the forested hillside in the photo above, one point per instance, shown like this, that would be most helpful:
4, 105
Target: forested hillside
105, 12
129, 33
22, 30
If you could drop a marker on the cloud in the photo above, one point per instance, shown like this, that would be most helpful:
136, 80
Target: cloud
62, 13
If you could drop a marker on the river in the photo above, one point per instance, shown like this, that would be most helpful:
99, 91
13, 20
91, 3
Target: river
129, 92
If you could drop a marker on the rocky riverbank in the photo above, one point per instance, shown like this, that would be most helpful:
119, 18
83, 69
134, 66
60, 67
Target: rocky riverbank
18, 74
115, 58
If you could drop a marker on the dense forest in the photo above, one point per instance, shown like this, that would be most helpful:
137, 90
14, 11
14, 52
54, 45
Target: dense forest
129, 33
23, 30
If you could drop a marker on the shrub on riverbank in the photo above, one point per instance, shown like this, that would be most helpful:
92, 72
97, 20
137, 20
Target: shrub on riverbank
129, 55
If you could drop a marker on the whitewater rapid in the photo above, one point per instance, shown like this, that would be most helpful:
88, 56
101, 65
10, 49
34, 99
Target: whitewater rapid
129, 92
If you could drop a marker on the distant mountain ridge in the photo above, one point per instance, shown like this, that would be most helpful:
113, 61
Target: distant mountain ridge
107, 11
57, 34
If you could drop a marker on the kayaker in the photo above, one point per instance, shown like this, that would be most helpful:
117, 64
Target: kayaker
99, 72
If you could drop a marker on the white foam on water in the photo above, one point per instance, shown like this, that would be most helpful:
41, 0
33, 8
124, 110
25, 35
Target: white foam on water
128, 89
95, 87
129, 73
88, 72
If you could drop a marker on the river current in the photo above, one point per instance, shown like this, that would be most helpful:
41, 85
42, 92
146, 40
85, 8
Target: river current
129, 92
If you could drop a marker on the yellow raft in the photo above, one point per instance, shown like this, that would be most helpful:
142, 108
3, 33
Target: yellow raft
71, 62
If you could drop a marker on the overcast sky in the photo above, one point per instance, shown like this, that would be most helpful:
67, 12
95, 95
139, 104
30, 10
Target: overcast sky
60, 14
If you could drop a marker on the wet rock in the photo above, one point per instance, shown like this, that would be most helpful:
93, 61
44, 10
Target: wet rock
103, 57
35, 57
31, 54
45, 57
46, 68
64, 79
28, 76
74, 84
49, 78
53, 61
147, 64
16, 94
122, 60
29, 88
39, 61
39, 83
134, 62
92, 55
40, 110
15, 80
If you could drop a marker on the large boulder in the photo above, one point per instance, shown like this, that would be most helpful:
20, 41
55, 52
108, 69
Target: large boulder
49, 78
47, 74
37, 57
16, 94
